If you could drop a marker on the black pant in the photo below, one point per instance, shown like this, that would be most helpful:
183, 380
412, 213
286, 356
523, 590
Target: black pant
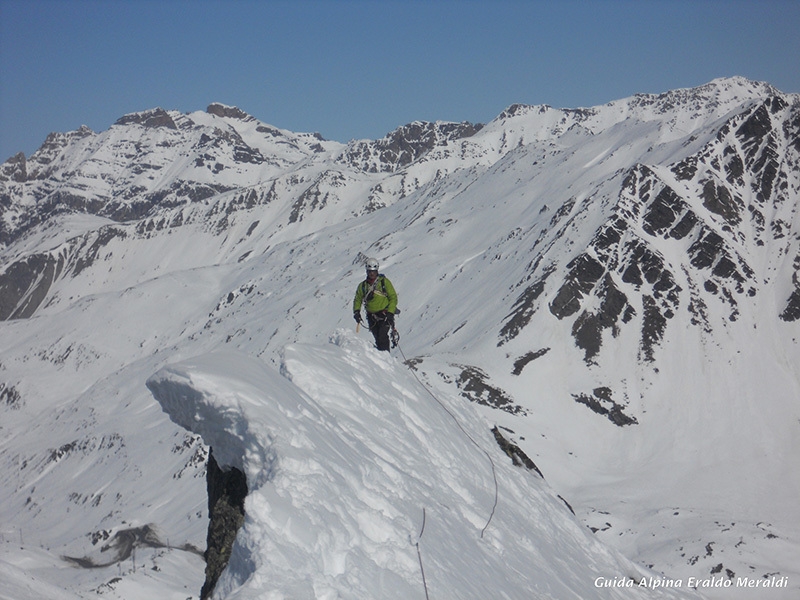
379, 326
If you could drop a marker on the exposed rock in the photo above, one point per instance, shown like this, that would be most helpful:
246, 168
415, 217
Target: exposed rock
654, 324
719, 200
40, 164
614, 308
14, 169
122, 545
474, 385
91, 245
157, 117
523, 361
226, 493
584, 272
523, 309
792, 310
316, 195
515, 453
661, 214
405, 145
601, 402
10, 397
24, 285
231, 112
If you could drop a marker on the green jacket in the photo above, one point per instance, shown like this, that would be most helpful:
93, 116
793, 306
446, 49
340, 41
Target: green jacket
377, 297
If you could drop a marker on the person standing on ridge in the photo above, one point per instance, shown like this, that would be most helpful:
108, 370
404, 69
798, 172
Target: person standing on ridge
377, 294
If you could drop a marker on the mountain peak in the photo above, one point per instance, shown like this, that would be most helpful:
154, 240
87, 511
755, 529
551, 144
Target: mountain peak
741, 86
719, 94
154, 118
232, 112
406, 144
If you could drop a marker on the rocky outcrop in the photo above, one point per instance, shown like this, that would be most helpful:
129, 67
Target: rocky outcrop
10, 397
678, 238
24, 285
14, 169
226, 494
231, 112
474, 385
601, 401
514, 452
122, 545
405, 145
155, 118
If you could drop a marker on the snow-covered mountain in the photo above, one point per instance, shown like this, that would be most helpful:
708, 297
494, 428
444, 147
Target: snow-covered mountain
616, 289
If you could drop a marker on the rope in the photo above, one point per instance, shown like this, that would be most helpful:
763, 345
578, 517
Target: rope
469, 437
419, 556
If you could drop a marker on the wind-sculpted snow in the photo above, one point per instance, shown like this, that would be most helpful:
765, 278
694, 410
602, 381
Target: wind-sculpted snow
617, 288
345, 455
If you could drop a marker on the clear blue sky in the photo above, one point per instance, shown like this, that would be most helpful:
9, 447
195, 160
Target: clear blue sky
358, 69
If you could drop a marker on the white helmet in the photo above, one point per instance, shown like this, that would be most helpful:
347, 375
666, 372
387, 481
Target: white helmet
372, 264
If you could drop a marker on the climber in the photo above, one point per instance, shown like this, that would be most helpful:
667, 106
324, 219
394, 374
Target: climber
379, 298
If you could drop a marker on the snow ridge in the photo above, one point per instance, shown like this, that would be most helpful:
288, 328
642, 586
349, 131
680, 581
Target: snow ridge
386, 455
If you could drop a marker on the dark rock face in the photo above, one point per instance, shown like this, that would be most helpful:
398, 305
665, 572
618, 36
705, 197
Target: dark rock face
474, 386
601, 401
515, 453
669, 246
228, 111
121, 546
523, 309
315, 197
528, 357
14, 169
404, 145
25, 283
152, 118
584, 272
10, 397
226, 493
587, 330
792, 310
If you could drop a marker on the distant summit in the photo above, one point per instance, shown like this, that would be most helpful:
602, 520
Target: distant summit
230, 112
155, 118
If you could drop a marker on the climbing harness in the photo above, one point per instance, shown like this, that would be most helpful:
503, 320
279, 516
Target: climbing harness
368, 290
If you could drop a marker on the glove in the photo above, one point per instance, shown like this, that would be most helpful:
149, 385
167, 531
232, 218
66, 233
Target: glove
390, 318
357, 316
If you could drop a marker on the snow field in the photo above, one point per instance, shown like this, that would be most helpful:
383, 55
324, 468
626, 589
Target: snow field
358, 455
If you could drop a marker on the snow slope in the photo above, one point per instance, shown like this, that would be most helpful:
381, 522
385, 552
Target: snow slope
361, 485
612, 286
